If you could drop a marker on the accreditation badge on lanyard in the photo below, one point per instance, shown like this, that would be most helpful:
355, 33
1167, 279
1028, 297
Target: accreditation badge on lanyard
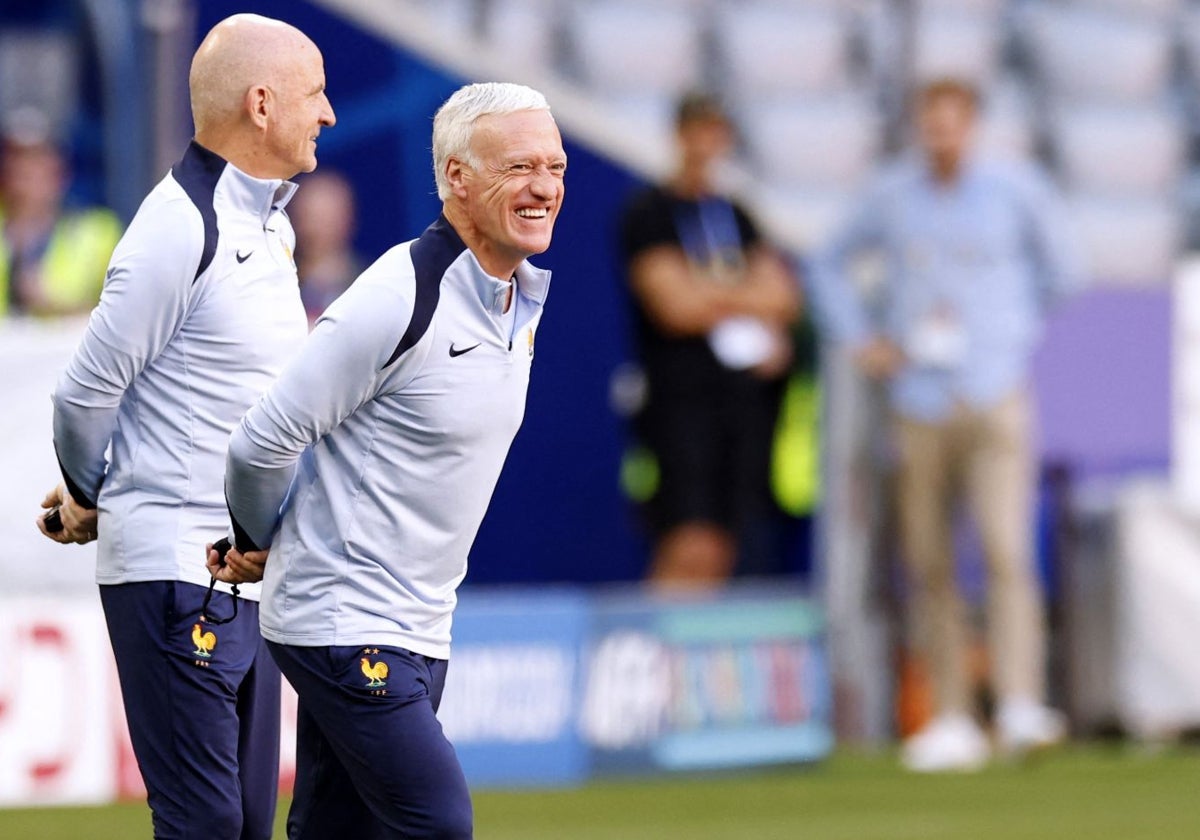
709, 234
937, 339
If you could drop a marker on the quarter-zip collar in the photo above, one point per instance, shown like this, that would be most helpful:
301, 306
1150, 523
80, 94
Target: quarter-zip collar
245, 193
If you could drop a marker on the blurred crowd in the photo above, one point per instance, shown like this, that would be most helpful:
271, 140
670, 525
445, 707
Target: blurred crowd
52, 255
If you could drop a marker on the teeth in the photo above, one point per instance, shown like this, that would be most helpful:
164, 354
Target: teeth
532, 213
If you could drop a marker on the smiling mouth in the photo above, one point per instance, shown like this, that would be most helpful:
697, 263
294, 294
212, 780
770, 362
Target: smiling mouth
533, 212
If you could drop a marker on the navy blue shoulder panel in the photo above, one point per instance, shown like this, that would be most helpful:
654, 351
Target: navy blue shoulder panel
240, 537
432, 253
198, 173
84, 500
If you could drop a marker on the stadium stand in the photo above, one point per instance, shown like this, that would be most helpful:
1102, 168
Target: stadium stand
1120, 149
1127, 241
768, 50
953, 42
1007, 124
529, 28
638, 57
1087, 53
1097, 88
1103, 90
827, 142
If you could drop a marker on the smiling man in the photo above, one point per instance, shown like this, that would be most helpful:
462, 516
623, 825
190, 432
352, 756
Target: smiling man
400, 410
199, 312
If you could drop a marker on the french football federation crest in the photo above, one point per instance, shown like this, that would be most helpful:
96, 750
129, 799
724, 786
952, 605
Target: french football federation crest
204, 641
375, 673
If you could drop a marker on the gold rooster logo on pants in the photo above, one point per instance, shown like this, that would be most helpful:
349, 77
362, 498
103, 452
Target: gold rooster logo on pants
204, 642
375, 674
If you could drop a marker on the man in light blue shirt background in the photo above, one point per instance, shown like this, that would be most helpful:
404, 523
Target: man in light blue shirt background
973, 253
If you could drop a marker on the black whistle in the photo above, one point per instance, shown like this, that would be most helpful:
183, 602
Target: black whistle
52, 521
222, 547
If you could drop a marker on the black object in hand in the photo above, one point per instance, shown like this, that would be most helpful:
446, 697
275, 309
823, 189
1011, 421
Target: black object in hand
222, 547
52, 521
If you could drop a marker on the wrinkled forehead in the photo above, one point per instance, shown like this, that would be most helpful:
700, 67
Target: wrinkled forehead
516, 132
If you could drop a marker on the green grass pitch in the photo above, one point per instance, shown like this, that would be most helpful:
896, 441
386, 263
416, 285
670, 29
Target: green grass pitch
1097, 793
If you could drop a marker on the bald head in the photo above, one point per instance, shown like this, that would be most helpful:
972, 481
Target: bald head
239, 53
258, 95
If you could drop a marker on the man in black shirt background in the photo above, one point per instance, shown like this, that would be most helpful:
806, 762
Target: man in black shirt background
713, 303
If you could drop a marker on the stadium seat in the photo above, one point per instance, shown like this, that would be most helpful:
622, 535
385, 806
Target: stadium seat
1163, 9
951, 43
985, 7
880, 27
1127, 241
1189, 25
1088, 53
450, 18
1118, 149
622, 46
1006, 131
828, 142
652, 115
39, 70
526, 31
769, 49
801, 219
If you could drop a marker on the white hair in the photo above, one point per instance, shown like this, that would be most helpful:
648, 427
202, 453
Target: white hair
454, 122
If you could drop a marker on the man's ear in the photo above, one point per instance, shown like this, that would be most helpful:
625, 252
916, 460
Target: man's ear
456, 175
259, 101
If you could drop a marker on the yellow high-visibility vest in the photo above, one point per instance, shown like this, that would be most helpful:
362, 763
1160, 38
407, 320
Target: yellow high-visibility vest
795, 453
75, 261
796, 456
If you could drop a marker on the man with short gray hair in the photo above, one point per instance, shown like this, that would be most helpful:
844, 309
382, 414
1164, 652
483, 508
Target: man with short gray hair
399, 410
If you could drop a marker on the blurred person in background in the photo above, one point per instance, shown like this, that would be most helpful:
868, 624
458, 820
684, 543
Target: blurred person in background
52, 257
974, 252
200, 312
323, 216
713, 304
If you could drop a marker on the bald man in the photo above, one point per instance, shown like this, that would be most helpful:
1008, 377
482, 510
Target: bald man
200, 311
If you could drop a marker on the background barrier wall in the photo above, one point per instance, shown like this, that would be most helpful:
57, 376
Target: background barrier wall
547, 687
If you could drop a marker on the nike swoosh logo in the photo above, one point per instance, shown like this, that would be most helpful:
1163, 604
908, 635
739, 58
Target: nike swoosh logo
456, 352
242, 259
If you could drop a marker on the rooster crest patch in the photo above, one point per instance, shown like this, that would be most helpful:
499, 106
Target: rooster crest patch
204, 641
376, 674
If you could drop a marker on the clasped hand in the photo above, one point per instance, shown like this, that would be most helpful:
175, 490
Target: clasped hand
237, 567
79, 523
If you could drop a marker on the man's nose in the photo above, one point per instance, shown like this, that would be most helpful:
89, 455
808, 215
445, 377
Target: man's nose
543, 184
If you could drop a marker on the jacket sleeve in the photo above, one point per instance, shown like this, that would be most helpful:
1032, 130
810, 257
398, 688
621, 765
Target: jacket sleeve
143, 303
835, 301
338, 369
